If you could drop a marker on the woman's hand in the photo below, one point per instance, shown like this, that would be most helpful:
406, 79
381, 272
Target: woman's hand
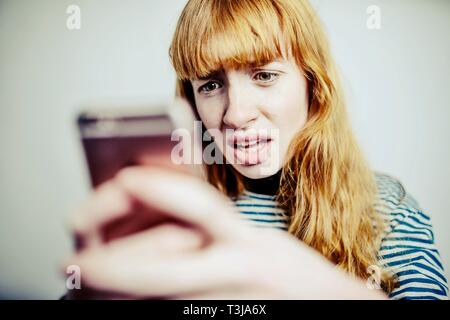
151, 233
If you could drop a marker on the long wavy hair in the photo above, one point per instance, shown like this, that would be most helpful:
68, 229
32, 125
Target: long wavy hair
326, 186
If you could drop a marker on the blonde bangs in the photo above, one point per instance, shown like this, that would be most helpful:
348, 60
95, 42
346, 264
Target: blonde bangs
215, 34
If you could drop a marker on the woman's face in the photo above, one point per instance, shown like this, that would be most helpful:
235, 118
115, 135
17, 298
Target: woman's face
254, 113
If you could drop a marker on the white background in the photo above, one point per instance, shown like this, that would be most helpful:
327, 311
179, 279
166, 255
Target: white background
397, 82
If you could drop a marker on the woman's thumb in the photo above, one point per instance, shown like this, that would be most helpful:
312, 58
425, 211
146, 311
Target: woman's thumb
182, 197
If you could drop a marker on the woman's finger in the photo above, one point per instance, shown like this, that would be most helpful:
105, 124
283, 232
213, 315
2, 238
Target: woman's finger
143, 196
184, 198
107, 203
166, 240
141, 265
111, 211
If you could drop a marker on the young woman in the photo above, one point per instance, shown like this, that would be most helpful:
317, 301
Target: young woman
323, 225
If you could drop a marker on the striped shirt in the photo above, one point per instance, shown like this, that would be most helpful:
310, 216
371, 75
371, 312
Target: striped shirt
407, 249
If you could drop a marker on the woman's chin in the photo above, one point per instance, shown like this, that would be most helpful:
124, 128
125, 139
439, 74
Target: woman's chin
256, 164
258, 171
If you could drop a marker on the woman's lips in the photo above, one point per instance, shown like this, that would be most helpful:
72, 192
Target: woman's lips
247, 138
251, 152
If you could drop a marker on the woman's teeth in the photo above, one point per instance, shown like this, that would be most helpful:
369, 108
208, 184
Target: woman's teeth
246, 144
252, 145
252, 152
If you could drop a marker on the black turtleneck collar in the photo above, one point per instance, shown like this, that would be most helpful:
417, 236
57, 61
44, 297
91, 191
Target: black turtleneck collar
268, 185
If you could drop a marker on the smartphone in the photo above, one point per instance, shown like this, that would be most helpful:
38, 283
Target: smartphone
115, 138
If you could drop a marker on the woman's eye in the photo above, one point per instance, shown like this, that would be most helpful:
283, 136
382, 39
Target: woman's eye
208, 87
265, 76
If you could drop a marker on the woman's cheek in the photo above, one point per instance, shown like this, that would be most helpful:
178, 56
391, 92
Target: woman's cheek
209, 113
212, 122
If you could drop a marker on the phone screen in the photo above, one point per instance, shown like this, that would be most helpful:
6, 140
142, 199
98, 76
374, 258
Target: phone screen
116, 139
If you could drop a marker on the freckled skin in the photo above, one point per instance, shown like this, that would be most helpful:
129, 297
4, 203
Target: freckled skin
273, 97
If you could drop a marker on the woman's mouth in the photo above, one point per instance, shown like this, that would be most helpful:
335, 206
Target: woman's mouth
252, 152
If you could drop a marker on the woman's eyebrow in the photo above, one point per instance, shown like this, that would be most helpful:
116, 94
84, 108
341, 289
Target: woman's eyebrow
275, 62
279, 62
209, 75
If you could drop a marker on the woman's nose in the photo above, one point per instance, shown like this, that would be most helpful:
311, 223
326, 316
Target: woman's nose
240, 110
